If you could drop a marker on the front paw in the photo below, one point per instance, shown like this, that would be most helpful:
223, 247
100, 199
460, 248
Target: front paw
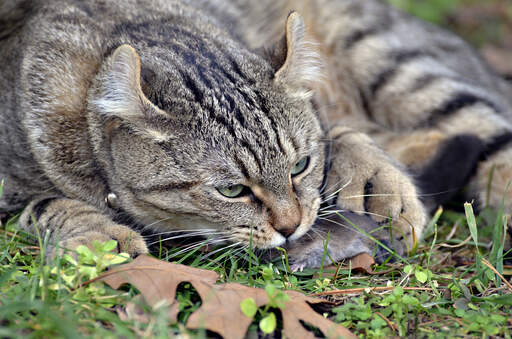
370, 183
128, 241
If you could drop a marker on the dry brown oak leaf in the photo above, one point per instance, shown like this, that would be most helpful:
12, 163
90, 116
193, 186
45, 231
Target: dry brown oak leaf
220, 309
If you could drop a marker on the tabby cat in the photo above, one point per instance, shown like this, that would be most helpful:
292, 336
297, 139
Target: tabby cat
239, 119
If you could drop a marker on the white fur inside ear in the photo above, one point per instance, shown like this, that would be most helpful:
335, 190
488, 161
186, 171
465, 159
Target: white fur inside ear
303, 66
120, 92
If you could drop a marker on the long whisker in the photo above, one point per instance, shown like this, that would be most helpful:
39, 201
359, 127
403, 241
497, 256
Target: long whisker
193, 246
396, 194
156, 222
336, 184
337, 223
348, 227
318, 234
206, 230
337, 191
240, 250
189, 235
330, 212
199, 244
327, 207
221, 249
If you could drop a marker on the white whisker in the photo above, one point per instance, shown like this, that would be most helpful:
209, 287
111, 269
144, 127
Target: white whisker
337, 191
156, 222
189, 235
318, 234
331, 212
183, 231
200, 244
394, 194
327, 207
221, 249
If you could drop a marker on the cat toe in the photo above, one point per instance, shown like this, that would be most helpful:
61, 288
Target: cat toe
297, 267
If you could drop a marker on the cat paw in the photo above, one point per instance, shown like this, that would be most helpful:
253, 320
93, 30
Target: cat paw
128, 241
370, 183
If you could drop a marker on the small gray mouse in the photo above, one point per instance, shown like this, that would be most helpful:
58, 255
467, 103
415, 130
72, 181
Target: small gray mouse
309, 250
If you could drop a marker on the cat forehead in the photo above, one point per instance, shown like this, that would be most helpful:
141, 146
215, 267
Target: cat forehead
249, 141
212, 102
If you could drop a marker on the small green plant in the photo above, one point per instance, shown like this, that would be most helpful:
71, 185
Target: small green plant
421, 274
268, 320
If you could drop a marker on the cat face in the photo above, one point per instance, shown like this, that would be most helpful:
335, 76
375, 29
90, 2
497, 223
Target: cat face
265, 182
231, 149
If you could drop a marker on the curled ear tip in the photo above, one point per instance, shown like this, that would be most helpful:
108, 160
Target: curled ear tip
294, 15
125, 50
295, 19
125, 47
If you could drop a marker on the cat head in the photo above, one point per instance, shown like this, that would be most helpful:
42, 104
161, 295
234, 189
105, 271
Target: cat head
208, 136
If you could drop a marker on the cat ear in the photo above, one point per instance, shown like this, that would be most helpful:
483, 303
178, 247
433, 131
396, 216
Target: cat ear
120, 93
302, 66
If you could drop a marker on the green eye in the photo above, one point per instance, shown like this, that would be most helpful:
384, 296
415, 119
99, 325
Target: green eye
233, 191
300, 166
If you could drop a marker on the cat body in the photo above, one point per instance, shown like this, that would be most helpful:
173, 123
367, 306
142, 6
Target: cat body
232, 119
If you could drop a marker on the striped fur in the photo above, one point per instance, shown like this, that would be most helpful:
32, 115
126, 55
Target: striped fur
160, 102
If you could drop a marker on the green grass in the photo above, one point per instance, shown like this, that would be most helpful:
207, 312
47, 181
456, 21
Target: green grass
461, 296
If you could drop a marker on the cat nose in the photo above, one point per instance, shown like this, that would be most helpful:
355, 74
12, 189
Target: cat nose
287, 230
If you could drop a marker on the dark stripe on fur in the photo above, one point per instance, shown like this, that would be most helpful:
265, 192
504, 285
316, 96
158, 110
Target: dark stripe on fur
257, 160
368, 191
359, 35
384, 24
423, 82
457, 102
496, 144
242, 166
39, 208
365, 105
264, 106
382, 79
450, 169
167, 187
399, 58
407, 55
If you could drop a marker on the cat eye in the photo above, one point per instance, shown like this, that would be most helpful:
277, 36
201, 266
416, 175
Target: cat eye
233, 191
300, 166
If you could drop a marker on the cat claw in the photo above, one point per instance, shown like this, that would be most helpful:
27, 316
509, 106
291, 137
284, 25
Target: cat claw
297, 267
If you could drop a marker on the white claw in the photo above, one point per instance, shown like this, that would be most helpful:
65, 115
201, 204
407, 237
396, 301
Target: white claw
297, 267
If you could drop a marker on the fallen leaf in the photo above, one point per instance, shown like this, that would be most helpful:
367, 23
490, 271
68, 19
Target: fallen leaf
220, 309
157, 280
361, 262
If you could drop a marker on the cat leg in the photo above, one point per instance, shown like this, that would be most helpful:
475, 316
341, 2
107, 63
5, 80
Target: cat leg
465, 149
72, 223
370, 182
